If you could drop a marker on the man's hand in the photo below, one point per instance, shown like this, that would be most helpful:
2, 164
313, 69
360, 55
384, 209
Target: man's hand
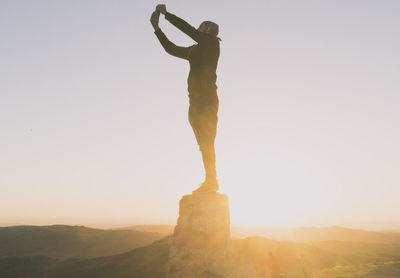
161, 8
154, 20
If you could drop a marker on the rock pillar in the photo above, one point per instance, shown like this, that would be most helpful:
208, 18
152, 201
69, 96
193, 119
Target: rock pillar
201, 241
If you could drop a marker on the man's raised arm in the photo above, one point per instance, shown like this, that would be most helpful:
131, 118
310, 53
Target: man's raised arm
170, 48
181, 24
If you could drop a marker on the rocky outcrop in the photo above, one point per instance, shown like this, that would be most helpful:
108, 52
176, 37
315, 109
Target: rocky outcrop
201, 242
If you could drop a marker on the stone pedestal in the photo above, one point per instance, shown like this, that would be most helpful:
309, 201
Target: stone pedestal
201, 240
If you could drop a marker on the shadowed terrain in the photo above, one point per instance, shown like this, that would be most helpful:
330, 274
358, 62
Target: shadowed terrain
150, 261
60, 241
318, 259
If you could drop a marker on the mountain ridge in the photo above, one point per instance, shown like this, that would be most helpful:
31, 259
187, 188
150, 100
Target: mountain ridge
297, 234
62, 241
296, 259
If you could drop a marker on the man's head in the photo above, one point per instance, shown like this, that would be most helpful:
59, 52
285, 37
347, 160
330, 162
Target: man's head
209, 27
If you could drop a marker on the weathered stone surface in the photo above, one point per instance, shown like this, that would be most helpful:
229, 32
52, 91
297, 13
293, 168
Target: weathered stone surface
201, 244
201, 240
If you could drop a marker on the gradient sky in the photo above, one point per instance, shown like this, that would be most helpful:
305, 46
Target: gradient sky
94, 123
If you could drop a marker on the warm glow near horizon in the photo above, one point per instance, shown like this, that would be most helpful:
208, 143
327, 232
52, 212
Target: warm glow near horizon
94, 113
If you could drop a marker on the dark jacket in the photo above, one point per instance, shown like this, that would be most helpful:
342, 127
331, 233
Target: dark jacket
203, 59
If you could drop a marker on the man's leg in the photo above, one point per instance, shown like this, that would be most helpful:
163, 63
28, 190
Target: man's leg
208, 155
204, 123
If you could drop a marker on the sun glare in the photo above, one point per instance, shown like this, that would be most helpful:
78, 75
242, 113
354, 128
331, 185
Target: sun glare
264, 193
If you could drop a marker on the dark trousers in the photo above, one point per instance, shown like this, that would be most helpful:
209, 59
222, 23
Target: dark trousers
203, 117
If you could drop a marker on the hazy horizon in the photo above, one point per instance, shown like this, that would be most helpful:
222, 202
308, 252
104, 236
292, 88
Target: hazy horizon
105, 225
94, 113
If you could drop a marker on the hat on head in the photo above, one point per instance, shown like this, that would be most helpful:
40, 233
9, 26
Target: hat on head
212, 28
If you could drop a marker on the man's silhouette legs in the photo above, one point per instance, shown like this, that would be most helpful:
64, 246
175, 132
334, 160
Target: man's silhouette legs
204, 119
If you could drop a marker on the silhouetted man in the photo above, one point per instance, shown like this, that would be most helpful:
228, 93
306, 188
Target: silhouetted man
203, 99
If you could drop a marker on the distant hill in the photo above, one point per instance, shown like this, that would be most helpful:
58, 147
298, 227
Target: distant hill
145, 262
80, 252
359, 248
296, 260
61, 241
391, 231
319, 234
302, 234
162, 229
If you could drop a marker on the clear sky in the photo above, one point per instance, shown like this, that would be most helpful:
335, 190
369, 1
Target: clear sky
93, 112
